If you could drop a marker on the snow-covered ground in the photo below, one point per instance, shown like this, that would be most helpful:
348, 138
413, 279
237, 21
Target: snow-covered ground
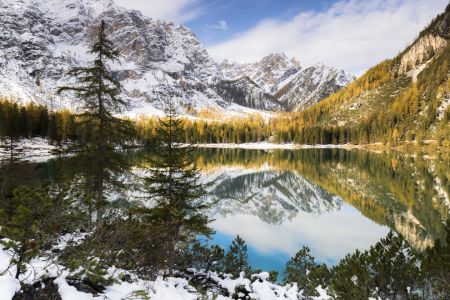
258, 287
270, 146
30, 149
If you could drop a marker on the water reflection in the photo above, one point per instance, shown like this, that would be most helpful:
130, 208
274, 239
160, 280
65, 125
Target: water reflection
407, 193
332, 200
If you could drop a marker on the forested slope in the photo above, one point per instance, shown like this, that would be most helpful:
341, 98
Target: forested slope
400, 99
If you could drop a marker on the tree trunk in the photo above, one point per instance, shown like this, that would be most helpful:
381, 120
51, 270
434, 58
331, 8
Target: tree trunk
170, 259
19, 262
99, 200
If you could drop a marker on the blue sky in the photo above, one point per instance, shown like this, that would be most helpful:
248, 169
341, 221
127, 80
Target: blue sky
242, 15
349, 34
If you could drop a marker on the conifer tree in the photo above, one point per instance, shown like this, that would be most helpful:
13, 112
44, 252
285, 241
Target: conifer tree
27, 221
351, 278
236, 259
98, 92
173, 183
297, 270
436, 265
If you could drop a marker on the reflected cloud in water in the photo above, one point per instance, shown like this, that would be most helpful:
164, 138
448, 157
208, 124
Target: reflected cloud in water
330, 236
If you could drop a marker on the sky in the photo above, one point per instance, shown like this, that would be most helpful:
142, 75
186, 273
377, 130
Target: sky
350, 34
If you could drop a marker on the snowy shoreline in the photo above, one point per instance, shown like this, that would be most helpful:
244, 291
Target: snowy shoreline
30, 149
271, 146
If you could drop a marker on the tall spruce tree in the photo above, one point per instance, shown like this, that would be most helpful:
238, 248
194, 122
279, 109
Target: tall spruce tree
236, 259
98, 92
173, 183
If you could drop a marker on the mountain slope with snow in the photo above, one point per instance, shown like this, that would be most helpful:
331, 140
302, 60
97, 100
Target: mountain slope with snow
50, 37
312, 85
267, 73
246, 92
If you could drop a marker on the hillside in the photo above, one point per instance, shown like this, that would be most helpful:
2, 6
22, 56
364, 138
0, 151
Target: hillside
246, 92
401, 99
312, 85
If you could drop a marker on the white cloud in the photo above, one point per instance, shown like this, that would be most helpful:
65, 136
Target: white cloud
178, 11
222, 25
353, 35
330, 236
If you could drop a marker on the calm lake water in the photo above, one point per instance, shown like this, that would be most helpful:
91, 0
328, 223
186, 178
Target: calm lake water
332, 200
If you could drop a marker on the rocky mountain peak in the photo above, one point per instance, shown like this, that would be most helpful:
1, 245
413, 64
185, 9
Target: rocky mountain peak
49, 37
296, 63
267, 73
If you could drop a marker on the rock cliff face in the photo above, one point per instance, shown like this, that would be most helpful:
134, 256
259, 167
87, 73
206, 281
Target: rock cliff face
49, 37
431, 40
293, 88
423, 50
268, 73
312, 85
245, 92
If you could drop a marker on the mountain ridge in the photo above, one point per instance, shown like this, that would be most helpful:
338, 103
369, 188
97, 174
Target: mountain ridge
48, 38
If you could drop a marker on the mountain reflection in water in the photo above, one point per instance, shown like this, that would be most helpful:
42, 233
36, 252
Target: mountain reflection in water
332, 200
407, 193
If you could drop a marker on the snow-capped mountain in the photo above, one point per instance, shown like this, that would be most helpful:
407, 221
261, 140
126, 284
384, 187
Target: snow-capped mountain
292, 87
267, 73
48, 37
246, 92
312, 85
273, 196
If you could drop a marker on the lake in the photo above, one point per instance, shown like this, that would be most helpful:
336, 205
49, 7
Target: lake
332, 200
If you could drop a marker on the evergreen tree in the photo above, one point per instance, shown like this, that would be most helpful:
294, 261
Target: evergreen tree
202, 257
98, 92
297, 270
28, 219
351, 278
173, 182
23, 122
236, 259
436, 265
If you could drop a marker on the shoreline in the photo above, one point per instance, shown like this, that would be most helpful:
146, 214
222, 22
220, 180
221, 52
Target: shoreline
270, 146
432, 146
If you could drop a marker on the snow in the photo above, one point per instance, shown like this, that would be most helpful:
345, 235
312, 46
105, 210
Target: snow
309, 85
160, 289
270, 146
273, 67
30, 149
8, 287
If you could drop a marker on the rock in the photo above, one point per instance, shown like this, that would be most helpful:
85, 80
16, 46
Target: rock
312, 85
127, 278
49, 37
267, 73
45, 290
245, 92
419, 52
